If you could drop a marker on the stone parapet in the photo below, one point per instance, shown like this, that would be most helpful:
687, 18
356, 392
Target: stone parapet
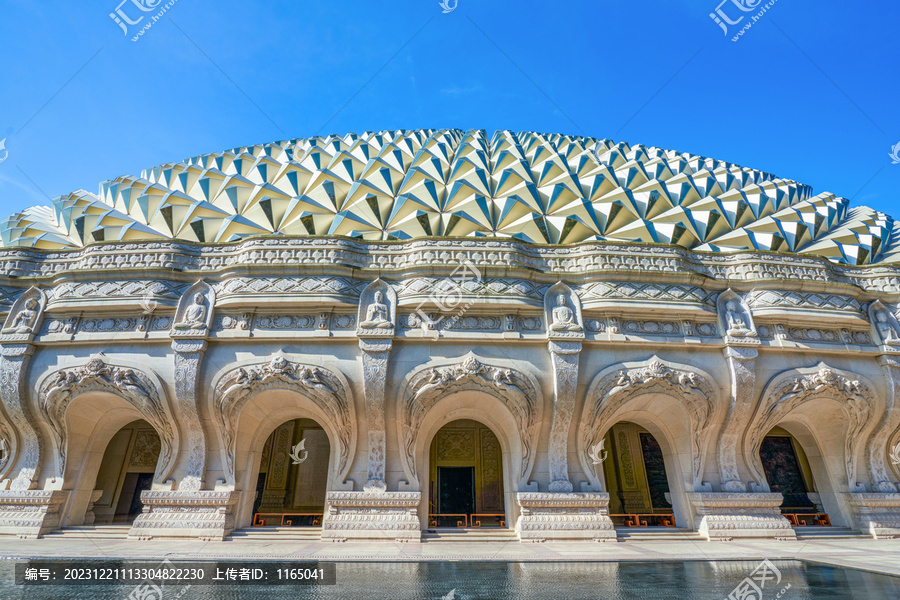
30, 513
876, 514
727, 516
564, 516
372, 515
206, 515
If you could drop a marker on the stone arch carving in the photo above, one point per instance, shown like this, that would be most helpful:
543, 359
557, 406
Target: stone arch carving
610, 391
59, 388
516, 390
329, 392
790, 389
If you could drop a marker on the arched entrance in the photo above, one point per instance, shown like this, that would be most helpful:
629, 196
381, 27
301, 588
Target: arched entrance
635, 473
787, 470
293, 476
126, 470
465, 477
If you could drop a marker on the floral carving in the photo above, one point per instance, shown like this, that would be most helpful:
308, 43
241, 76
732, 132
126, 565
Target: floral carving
787, 393
614, 390
510, 386
238, 386
58, 391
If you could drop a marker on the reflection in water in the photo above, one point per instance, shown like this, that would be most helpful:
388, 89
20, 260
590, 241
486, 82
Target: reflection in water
515, 581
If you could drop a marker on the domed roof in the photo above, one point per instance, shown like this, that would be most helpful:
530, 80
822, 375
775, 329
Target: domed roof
399, 185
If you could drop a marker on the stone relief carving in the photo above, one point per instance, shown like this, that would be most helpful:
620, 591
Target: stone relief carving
13, 365
565, 381
882, 479
695, 391
195, 310
885, 323
24, 318
188, 355
375, 355
510, 386
652, 327
563, 312
735, 317
57, 391
238, 386
791, 389
7, 442
742, 369
377, 309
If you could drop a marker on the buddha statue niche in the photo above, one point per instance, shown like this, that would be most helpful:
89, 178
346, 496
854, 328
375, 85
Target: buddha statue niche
737, 325
886, 329
195, 315
564, 317
24, 321
377, 314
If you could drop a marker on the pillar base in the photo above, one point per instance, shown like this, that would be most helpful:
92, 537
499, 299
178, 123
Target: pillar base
204, 515
30, 513
727, 516
877, 515
372, 516
564, 516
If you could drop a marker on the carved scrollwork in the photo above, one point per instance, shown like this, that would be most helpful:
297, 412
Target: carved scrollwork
787, 392
510, 386
613, 391
58, 390
323, 387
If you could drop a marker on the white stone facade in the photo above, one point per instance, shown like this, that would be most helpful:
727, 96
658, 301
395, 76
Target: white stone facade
383, 343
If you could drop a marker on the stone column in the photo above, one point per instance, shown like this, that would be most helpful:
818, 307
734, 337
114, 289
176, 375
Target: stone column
562, 514
375, 355
184, 509
878, 513
374, 513
565, 380
742, 369
25, 511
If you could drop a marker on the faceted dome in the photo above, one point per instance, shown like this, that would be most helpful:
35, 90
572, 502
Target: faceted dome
399, 185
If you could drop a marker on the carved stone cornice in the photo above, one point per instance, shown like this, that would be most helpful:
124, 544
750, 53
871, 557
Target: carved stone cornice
510, 386
692, 389
236, 387
790, 389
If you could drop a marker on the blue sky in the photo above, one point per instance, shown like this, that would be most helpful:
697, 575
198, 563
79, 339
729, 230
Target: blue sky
809, 92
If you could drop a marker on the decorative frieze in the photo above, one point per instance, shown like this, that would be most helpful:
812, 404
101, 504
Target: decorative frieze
876, 514
372, 515
564, 517
729, 516
30, 513
207, 515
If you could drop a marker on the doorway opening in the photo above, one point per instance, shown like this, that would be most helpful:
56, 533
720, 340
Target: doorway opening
466, 477
127, 469
787, 471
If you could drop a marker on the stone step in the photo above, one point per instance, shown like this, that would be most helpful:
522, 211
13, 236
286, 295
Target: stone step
278, 533
98, 532
657, 533
828, 533
469, 535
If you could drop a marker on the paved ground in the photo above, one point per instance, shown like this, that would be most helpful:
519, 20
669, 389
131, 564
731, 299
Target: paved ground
881, 556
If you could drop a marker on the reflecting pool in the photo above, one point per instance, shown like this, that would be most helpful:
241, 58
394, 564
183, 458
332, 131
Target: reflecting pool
738, 580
